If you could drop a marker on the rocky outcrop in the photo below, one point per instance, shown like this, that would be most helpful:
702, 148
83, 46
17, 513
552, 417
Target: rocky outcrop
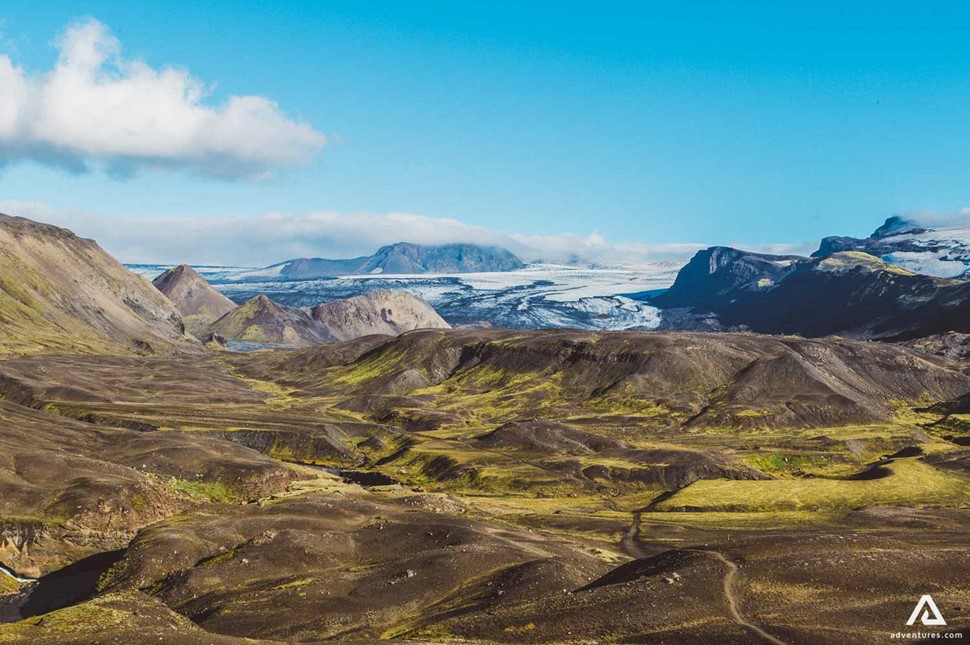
941, 252
260, 320
389, 313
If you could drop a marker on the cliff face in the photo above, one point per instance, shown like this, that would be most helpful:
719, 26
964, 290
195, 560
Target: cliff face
717, 272
848, 293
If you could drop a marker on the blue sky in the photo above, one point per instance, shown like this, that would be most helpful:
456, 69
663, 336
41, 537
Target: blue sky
652, 123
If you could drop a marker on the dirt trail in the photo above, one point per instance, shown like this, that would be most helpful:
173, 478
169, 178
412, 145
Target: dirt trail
732, 599
630, 542
630, 545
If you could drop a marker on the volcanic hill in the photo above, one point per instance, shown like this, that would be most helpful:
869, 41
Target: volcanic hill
198, 302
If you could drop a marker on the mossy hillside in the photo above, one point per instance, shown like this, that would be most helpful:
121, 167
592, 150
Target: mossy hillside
110, 618
8, 585
483, 395
204, 490
239, 323
658, 384
459, 466
30, 326
628, 406
62, 293
847, 260
910, 482
487, 394
198, 324
375, 365
278, 395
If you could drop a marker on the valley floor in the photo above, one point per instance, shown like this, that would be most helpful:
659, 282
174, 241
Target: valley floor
553, 487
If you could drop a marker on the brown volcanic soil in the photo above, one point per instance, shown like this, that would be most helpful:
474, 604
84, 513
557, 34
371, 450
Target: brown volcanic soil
346, 565
536, 471
798, 588
68, 488
542, 435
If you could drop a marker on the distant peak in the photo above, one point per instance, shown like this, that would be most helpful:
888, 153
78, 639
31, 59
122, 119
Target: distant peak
895, 225
182, 269
182, 274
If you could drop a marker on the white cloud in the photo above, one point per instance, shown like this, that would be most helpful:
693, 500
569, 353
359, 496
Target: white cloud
255, 240
96, 107
958, 219
595, 249
260, 240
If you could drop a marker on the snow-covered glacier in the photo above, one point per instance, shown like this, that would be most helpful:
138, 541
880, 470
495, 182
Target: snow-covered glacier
540, 295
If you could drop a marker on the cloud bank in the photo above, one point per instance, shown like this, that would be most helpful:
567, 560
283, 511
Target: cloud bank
255, 240
261, 240
956, 219
595, 249
97, 108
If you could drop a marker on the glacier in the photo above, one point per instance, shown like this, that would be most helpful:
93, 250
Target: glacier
538, 296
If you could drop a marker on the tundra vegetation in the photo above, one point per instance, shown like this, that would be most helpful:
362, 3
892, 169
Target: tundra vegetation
470, 485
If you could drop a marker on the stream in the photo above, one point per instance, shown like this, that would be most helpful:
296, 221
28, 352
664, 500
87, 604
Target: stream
365, 478
56, 590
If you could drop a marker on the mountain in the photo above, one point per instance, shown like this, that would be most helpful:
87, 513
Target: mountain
199, 304
381, 312
260, 320
942, 252
479, 486
62, 292
719, 272
847, 293
400, 258
389, 313
447, 258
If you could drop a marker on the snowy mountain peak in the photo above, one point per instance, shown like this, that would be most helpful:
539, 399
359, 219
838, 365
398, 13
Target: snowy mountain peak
943, 252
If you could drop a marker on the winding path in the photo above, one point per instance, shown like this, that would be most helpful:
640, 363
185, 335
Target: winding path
732, 599
630, 546
630, 542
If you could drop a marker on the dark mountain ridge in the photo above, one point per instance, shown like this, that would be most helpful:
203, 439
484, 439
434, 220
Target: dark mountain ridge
402, 257
847, 293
